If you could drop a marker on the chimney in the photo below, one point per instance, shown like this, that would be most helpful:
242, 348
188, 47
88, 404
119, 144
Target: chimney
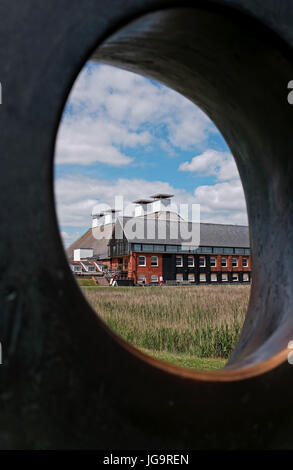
98, 219
141, 207
111, 216
161, 203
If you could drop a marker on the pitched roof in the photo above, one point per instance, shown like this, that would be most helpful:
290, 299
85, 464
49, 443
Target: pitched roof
218, 235
96, 238
236, 236
175, 232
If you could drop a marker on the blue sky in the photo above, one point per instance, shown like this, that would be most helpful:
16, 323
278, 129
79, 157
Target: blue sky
123, 134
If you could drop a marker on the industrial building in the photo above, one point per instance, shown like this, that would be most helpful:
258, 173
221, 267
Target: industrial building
143, 249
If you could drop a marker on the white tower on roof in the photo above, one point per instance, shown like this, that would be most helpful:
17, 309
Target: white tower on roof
163, 208
111, 216
108, 216
142, 207
98, 219
159, 207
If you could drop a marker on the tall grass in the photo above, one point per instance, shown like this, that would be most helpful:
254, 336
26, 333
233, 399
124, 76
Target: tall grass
204, 321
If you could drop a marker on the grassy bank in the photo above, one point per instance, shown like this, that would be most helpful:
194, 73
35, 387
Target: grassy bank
198, 321
185, 360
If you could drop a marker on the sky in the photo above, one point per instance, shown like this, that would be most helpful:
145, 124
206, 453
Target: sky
122, 134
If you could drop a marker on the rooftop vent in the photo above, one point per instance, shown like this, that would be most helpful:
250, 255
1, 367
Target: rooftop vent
98, 219
162, 196
111, 215
141, 207
161, 203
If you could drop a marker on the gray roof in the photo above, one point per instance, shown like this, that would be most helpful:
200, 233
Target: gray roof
181, 232
135, 230
235, 236
96, 238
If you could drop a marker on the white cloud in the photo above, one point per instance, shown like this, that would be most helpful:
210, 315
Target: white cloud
110, 110
211, 162
77, 197
222, 202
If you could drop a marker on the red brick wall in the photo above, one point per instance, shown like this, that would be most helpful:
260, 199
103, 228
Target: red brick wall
115, 262
229, 267
134, 271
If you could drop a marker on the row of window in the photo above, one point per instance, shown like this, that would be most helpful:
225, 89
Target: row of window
190, 261
142, 278
78, 268
202, 277
224, 262
214, 277
142, 261
190, 249
213, 262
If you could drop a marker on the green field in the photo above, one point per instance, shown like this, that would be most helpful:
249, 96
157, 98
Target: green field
195, 327
86, 282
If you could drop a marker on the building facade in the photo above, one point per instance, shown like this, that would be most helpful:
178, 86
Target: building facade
222, 255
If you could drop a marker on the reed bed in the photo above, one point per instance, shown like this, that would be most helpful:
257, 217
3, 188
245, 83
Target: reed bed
204, 321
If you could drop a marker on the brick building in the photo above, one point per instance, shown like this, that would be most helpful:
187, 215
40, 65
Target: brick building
144, 249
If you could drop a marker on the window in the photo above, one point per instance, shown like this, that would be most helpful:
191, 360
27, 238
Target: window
202, 277
154, 261
235, 277
159, 247
245, 277
179, 261
213, 262
244, 262
247, 251
191, 277
183, 248
239, 251
234, 262
228, 251
136, 247
214, 277
179, 277
190, 261
77, 268
171, 248
147, 248
91, 268
141, 279
224, 277
154, 278
218, 251
141, 261
224, 262
202, 261
206, 249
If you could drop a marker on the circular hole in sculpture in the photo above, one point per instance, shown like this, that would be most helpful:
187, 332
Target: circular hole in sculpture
153, 217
